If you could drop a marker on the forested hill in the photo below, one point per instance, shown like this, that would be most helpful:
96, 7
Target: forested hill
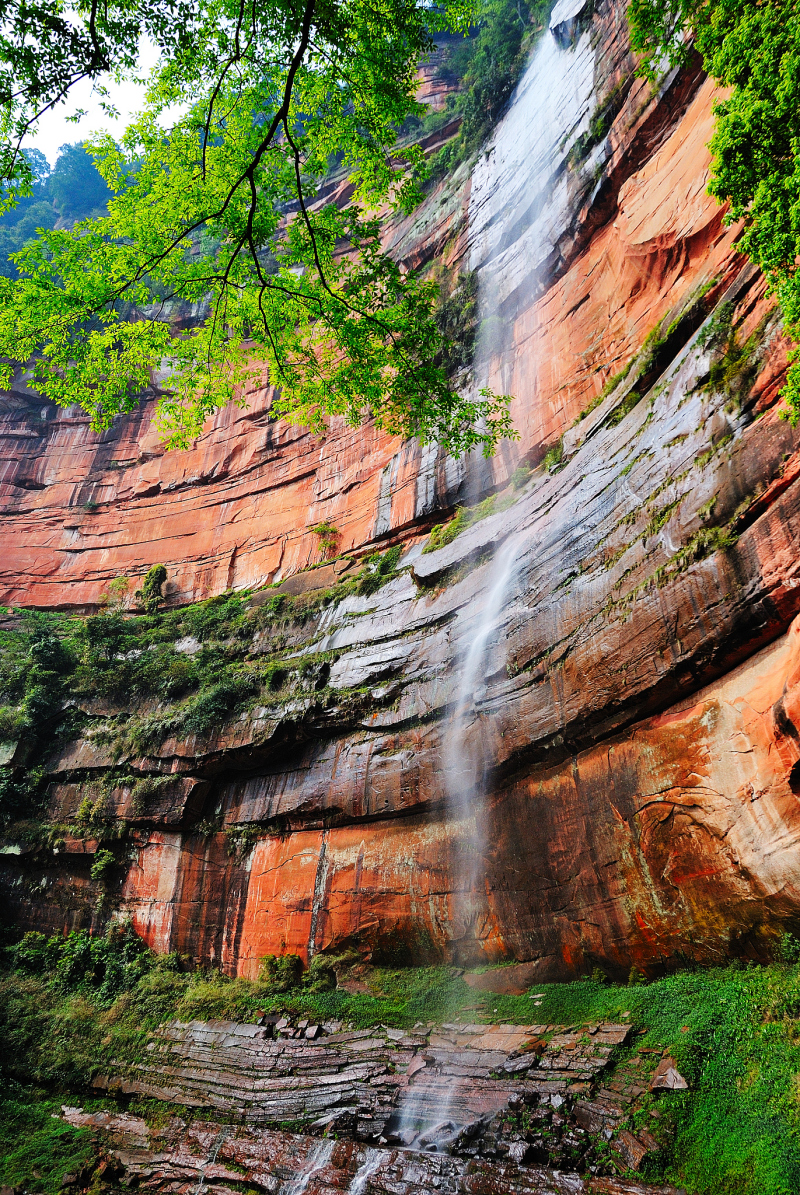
73, 190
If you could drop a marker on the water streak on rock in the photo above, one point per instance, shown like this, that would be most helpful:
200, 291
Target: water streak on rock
365, 1172
317, 1160
465, 759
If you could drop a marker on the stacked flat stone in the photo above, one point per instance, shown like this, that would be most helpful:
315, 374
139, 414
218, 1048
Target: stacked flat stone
243, 1071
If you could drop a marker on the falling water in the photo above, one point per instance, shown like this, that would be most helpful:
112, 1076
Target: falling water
519, 208
464, 758
519, 204
427, 1118
520, 196
365, 1172
317, 1160
212, 1157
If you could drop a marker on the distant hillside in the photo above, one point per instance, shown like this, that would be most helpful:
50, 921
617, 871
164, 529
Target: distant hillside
72, 190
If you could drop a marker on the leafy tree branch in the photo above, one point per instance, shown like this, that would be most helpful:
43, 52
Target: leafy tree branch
217, 208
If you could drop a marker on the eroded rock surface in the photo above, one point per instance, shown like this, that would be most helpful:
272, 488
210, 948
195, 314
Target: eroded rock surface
220, 1157
525, 1110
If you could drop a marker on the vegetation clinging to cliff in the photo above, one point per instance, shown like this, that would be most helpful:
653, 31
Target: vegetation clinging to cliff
753, 49
189, 670
488, 67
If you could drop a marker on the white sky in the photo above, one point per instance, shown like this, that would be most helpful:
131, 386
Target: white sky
54, 130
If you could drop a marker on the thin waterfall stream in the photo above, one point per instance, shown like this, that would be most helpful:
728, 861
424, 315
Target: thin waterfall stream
518, 188
219, 1141
365, 1172
428, 1118
464, 757
316, 1161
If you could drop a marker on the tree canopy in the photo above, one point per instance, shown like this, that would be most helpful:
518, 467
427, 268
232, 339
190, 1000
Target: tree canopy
216, 204
73, 190
753, 48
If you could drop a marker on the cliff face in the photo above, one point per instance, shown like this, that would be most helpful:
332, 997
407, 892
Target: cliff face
630, 740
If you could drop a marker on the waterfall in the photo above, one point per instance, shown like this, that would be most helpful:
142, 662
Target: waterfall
520, 203
359, 1184
520, 200
519, 208
221, 1136
463, 756
316, 1161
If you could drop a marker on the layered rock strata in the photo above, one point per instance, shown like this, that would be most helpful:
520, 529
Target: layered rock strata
517, 1099
365, 1075
221, 1157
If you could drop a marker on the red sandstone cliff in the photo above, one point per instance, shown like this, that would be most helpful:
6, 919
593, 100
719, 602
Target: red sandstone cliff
640, 720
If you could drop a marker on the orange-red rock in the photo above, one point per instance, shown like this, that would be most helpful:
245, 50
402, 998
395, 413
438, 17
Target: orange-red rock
640, 708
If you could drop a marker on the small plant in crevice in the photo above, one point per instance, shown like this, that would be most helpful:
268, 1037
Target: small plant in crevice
378, 569
151, 595
554, 456
658, 349
443, 534
630, 401
275, 604
457, 317
608, 388
103, 866
600, 123
328, 535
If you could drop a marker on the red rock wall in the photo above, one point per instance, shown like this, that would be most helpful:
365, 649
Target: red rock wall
79, 509
643, 720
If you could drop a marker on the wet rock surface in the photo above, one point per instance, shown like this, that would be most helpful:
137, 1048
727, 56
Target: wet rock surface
180, 1158
452, 1108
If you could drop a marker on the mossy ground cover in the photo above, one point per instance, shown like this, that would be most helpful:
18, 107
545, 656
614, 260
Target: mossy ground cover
36, 1147
67, 1010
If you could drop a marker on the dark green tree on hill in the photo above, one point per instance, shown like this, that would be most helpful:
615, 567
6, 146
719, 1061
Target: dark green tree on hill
72, 191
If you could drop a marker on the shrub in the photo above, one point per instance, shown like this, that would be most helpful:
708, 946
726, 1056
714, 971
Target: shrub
103, 636
328, 536
282, 973
213, 706
788, 950
35, 954
521, 475
554, 456
102, 866
12, 723
321, 975
378, 569
150, 594
118, 591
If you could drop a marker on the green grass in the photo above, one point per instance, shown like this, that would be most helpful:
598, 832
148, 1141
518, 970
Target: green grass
466, 516
36, 1149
